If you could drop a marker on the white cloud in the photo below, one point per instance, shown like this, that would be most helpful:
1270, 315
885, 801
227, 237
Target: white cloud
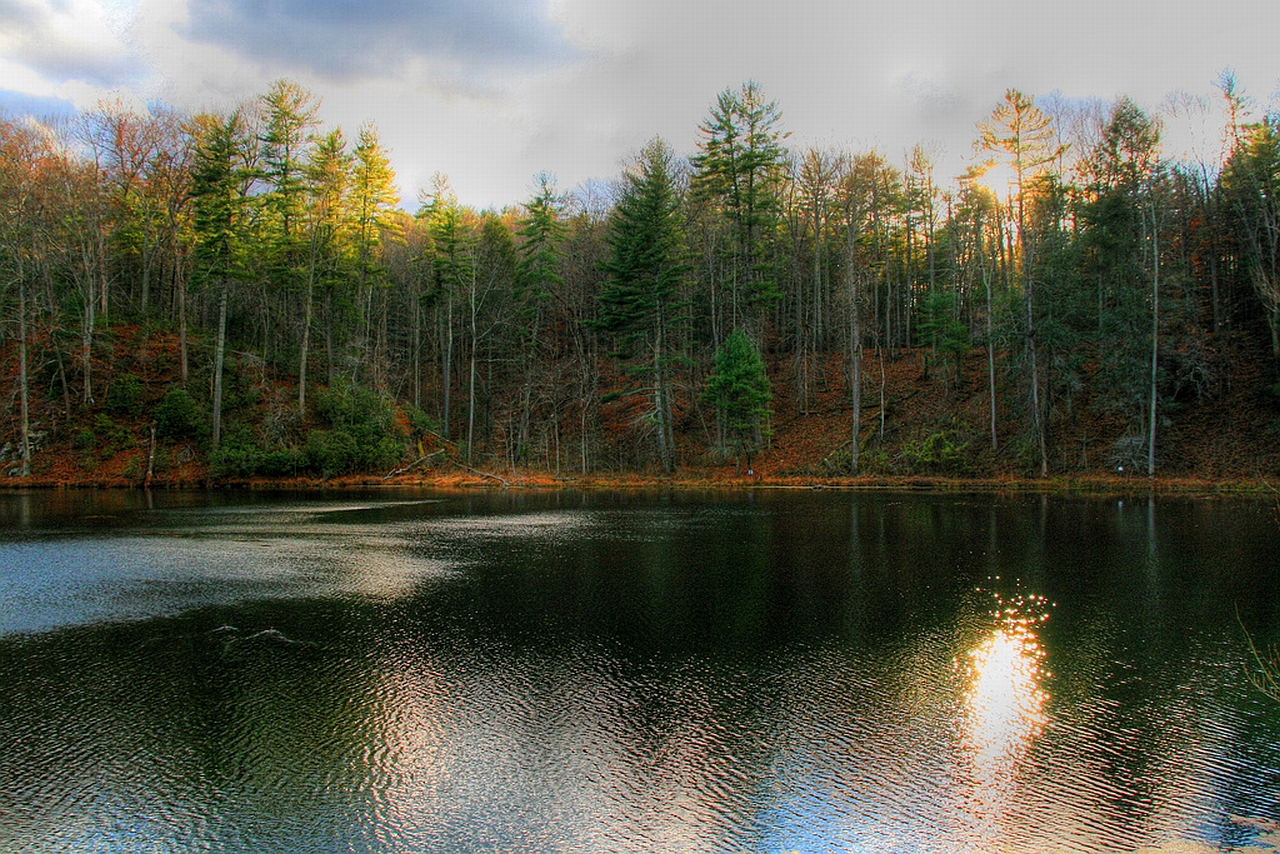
67, 40
491, 92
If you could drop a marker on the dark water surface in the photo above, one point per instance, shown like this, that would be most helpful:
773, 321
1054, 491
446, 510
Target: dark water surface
773, 671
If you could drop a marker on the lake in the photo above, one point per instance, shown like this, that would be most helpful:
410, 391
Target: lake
754, 671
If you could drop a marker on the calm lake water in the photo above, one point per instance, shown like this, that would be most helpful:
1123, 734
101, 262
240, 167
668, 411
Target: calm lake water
769, 671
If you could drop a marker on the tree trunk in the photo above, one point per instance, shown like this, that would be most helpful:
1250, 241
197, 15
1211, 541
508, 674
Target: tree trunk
1155, 339
218, 355
22, 374
526, 399
854, 461
417, 350
660, 403
471, 378
855, 350
991, 352
305, 345
1037, 420
86, 336
448, 367
181, 283
329, 359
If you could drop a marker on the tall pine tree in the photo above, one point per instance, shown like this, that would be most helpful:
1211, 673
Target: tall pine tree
640, 301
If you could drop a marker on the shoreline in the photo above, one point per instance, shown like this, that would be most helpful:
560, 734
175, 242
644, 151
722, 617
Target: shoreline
689, 481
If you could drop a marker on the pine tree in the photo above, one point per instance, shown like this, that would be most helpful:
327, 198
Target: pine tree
372, 201
328, 174
537, 277
639, 302
1026, 139
738, 170
739, 389
221, 185
453, 238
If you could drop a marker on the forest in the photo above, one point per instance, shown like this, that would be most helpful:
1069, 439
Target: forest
245, 291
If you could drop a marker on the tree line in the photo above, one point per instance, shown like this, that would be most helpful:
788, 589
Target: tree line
620, 325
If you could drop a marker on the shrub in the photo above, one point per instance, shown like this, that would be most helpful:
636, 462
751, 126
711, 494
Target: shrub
942, 452
332, 452
383, 455
85, 440
110, 437
178, 416
240, 454
283, 462
233, 459
125, 394
366, 435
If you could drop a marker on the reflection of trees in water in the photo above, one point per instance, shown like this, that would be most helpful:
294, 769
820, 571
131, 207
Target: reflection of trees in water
780, 673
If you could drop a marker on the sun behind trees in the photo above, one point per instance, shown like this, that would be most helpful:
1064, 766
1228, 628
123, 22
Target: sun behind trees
239, 291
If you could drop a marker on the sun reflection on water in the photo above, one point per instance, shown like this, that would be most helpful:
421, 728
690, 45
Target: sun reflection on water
1005, 700
1004, 711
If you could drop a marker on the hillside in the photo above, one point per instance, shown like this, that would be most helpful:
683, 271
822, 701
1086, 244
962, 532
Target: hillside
933, 425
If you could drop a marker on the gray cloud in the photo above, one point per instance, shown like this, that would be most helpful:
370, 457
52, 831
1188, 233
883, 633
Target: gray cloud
341, 38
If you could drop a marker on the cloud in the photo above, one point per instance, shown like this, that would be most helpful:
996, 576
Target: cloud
493, 91
66, 40
341, 39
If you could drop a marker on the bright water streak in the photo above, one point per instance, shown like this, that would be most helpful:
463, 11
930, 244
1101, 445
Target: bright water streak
598, 673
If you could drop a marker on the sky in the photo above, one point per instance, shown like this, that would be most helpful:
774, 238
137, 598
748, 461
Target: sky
492, 92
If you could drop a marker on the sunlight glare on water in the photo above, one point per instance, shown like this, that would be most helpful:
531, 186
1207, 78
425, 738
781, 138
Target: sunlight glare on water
1004, 712
1005, 700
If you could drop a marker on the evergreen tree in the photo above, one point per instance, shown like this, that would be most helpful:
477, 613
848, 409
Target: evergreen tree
372, 201
328, 174
537, 279
1025, 138
290, 112
639, 301
739, 389
1252, 182
222, 180
1118, 252
739, 169
453, 265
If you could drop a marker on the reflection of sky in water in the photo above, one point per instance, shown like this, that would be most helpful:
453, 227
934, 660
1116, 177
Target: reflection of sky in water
183, 559
53, 584
944, 733
194, 557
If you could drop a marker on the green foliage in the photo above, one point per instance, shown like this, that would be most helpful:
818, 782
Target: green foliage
236, 456
639, 301
125, 395
420, 423
1251, 180
84, 440
241, 455
365, 436
111, 437
179, 417
739, 389
646, 268
332, 452
944, 452
940, 328
739, 171
541, 232
279, 227
223, 208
